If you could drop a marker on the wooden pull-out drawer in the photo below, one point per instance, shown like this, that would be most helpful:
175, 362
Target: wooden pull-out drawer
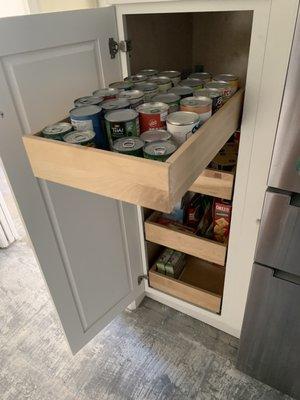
149, 183
200, 283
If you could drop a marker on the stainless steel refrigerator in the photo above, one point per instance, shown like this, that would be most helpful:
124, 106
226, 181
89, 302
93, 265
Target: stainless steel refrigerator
270, 340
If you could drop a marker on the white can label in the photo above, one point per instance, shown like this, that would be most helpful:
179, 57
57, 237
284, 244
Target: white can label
85, 125
205, 116
163, 116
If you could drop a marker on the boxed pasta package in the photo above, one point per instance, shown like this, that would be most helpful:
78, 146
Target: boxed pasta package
221, 220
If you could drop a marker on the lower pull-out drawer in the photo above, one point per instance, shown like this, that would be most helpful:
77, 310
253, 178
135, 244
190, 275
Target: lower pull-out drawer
149, 183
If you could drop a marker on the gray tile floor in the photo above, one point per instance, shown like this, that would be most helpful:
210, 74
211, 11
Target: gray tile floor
153, 353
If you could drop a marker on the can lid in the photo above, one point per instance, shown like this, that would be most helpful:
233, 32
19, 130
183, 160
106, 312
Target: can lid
136, 78
121, 115
155, 135
148, 72
160, 148
55, 129
121, 85
225, 77
208, 92
128, 144
85, 111
183, 118
146, 86
196, 101
155, 107
181, 90
170, 74
77, 137
131, 94
217, 84
192, 82
115, 104
166, 97
200, 75
106, 92
160, 80
87, 100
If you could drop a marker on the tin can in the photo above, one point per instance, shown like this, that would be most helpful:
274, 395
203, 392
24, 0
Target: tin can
182, 91
148, 72
136, 78
171, 99
135, 97
223, 86
88, 100
152, 115
84, 138
159, 151
57, 131
122, 85
226, 159
163, 82
182, 124
175, 76
106, 93
121, 123
203, 76
131, 146
194, 83
150, 89
115, 104
214, 94
233, 80
88, 118
156, 135
200, 105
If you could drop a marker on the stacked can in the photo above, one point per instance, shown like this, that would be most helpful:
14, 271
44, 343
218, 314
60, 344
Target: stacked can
122, 85
57, 131
200, 105
135, 97
182, 125
214, 94
88, 100
182, 91
205, 77
223, 87
148, 88
194, 83
148, 72
163, 82
171, 99
106, 93
84, 138
152, 115
175, 76
233, 81
121, 124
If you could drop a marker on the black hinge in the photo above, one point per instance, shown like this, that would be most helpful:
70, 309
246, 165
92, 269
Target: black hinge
141, 278
114, 47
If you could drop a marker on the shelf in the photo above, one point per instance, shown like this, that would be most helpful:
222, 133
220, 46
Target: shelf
186, 242
200, 283
152, 184
214, 183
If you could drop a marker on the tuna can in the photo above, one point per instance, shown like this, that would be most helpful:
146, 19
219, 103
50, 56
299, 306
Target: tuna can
156, 135
131, 146
203, 76
88, 118
159, 151
115, 104
214, 94
233, 80
150, 89
88, 100
135, 97
223, 86
194, 83
122, 85
152, 115
84, 138
182, 91
120, 124
57, 131
106, 93
163, 82
200, 105
182, 125
175, 76
171, 99
136, 78
148, 72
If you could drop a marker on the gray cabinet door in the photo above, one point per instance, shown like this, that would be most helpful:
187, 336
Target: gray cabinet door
88, 246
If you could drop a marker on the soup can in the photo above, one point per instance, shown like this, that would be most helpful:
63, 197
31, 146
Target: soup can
156, 135
106, 93
203, 76
136, 78
159, 151
182, 91
171, 99
152, 115
88, 118
57, 131
150, 89
233, 80
135, 97
84, 138
88, 100
122, 85
194, 83
182, 124
223, 86
214, 94
226, 159
175, 76
132, 146
163, 82
148, 72
200, 105
120, 124
115, 104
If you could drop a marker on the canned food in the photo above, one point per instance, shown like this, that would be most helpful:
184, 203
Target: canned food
171, 99
148, 72
182, 124
106, 93
203, 76
84, 138
152, 115
223, 86
155, 135
115, 104
132, 146
182, 91
135, 97
136, 78
88, 100
200, 105
194, 83
233, 80
226, 159
88, 118
175, 76
57, 131
150, 89
121, 123
122, 85
159, 151
163, 82
214, 94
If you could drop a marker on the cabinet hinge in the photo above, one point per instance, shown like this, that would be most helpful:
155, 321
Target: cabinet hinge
114, 47
141, 277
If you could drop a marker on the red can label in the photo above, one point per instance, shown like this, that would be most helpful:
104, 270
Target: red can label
152, 121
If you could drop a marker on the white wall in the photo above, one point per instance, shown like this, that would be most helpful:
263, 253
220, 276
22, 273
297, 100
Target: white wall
40, 6
9, 8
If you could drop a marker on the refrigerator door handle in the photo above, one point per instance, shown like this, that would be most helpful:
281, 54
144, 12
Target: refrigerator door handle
286, 276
